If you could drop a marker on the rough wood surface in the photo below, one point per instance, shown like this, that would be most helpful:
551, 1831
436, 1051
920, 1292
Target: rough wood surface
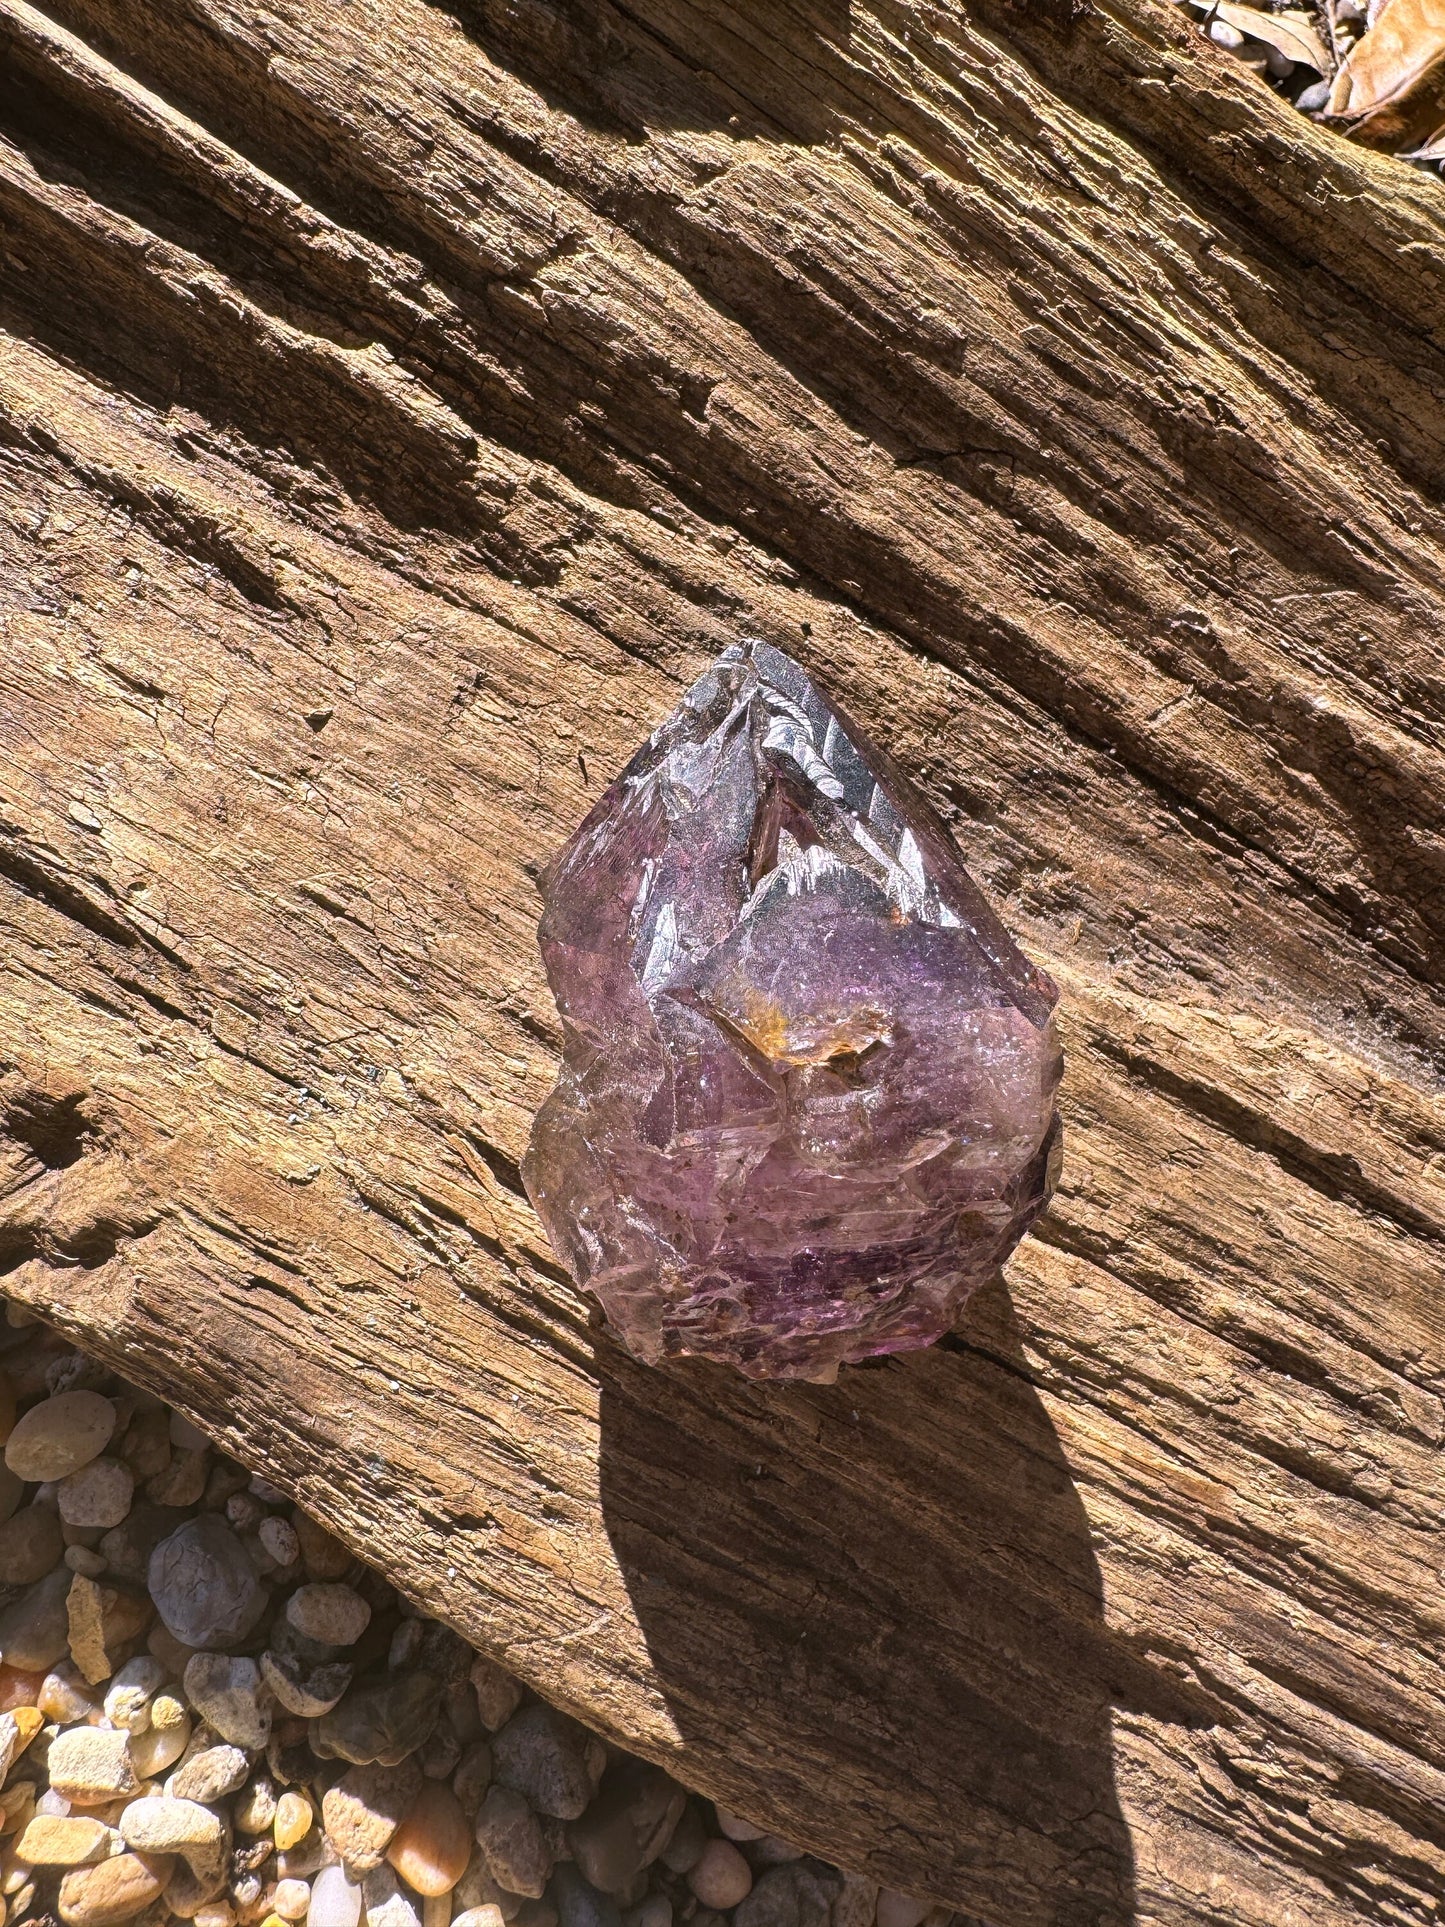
398, 404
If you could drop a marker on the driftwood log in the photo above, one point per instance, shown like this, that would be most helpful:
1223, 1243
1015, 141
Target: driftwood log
399, 402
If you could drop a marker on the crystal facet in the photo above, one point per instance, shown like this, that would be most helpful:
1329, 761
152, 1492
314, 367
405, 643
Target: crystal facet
807, 1098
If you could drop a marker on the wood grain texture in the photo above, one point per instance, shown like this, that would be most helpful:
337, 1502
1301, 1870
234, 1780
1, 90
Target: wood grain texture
398, 404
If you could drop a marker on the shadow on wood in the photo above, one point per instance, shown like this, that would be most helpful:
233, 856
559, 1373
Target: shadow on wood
843, 1618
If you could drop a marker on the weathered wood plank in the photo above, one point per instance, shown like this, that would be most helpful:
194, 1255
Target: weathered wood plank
397, 405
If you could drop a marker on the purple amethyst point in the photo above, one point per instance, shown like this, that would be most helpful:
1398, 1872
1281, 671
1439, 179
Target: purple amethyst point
807, 1097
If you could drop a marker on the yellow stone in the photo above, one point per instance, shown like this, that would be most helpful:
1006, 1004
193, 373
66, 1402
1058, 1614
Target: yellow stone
295, 1817
52, 1841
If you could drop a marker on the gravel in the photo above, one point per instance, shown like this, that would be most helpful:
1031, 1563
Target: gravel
214, 1713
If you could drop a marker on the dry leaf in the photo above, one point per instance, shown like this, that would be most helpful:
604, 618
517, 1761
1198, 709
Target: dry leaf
1396, 61
1292, 34
1433, 150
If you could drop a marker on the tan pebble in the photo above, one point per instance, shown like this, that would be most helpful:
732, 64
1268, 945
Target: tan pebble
104, 1620
13, 1875
182, 1482
99, 1494
291, 1899
436, 1909
498, 1694
480, 1917
146, 1447
90, 1766
82, 1559
168, 1825
900, 1910
295, 1817
112, 1891
65, 1696
23, 1901
255, 1809
333, 1615
157, 1749
737, 1828
31, 1544
431, 1847
51, 1842
324, 1557
721, 1877
215, 1913
59, 1435
17, 1806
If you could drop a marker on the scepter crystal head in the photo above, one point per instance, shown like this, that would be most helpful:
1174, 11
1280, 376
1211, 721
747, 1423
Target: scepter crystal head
807, 1096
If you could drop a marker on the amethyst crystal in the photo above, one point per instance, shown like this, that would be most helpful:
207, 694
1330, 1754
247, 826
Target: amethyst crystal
807, 1098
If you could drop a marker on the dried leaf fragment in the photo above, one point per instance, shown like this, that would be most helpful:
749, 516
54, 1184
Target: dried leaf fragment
1292, 34
1390, 83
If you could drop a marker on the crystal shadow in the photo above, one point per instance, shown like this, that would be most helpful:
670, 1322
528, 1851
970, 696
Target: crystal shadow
886, 1586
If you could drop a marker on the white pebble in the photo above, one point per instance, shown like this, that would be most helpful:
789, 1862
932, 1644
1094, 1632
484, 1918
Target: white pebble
291, 1899
278, 1536
335, 1901
1223, 35
736, 1828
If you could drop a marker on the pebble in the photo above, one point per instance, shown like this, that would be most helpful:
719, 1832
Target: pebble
431, 1847
497, 1694
101, 1622
324, 1557
112, 1891
91, 1766
255, 1811
578, 1902
473, 1775
59, 1435
689, 1837
384, 1720
129, 1694
626, 1827
306, 1690
655, 1911
364, 1809
291, 1899
52, 1841
790, 1896
212, 1774
513, 1844
31, 1545
330, 1614
489, 1917
82, 1559
164, 1741
164, 1824
227, 1693
127, 1548
543, 1755
279, 1538
856, 1902
17, 1729
386, 1903
335, 1900
204, 1584
900, 1910
721, 1877
736, 1828
99, 1494
65, 1696
295, 1817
